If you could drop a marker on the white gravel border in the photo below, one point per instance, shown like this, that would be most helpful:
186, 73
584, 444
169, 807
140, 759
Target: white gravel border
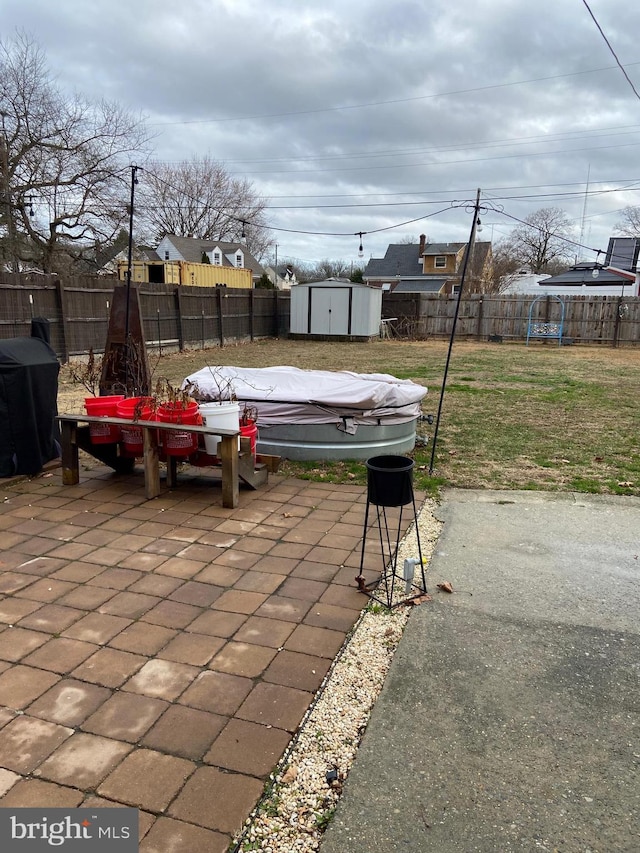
299, 801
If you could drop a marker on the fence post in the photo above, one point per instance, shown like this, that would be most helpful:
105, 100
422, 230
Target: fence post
479, 326
178, 304
276, 324
251, 313
64, 329
220, 322
616, 323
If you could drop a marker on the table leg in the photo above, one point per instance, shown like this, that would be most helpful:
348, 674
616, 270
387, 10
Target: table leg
70, 463
228, 451
151, 463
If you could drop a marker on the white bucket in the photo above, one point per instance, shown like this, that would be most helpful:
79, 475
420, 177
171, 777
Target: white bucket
224, 415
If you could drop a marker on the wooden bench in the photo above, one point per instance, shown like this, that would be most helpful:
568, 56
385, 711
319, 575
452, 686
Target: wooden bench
234, 465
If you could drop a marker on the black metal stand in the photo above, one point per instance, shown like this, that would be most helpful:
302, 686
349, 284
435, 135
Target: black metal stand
390, 484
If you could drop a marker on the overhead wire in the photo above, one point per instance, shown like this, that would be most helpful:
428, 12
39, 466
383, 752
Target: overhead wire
612, 51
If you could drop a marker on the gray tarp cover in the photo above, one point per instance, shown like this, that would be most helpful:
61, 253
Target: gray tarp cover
288, 395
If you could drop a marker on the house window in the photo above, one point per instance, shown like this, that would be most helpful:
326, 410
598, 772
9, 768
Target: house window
166, 255
440, 262
238, 260
217, 259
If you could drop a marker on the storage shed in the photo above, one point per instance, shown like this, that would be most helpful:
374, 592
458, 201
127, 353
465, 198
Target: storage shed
335, 309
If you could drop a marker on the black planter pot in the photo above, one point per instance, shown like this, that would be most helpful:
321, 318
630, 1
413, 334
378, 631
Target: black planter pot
389, 480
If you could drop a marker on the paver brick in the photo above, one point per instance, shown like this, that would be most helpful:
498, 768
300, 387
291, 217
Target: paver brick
162, 679
12, 610
97, 628
168, 834
32, 793
52, 618
217, 692
217, 800
44, 590
69, 702
125, 716
320, 641
198, 594
217, 623
186, 732
60, 654
240, 601
20, 685
330, 616
142, 638
172, 614
248, 748
131, 605
275, 705
243, 659
83, 760
294, 669
259, 631
147, 779
27, 741
194, 649
16, 643
109, 667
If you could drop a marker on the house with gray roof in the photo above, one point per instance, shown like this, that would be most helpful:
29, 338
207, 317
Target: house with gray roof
219, 252
429, 267
615, 276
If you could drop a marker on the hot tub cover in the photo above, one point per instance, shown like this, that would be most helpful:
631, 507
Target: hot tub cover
289, 395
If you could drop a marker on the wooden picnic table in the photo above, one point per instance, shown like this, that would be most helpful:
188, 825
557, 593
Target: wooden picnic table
73, 439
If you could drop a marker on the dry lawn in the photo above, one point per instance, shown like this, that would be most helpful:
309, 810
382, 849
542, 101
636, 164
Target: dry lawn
537, 417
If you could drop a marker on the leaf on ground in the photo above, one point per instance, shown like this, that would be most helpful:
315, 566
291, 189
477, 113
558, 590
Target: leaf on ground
419, 599
290, 775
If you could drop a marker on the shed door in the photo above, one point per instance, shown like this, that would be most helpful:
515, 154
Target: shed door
329, 310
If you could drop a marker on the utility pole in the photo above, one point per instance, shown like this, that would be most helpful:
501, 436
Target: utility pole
6, 192
465, 264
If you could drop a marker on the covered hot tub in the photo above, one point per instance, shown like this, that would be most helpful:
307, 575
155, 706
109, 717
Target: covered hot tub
319, 414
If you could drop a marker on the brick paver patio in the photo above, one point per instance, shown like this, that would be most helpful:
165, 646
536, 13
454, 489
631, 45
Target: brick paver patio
160, 654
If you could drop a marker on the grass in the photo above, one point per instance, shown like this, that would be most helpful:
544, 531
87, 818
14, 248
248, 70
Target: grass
514, 417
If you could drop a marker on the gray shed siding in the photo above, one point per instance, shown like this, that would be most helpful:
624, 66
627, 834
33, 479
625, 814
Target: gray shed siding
335, 308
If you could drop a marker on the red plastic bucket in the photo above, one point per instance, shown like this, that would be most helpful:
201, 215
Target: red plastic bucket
103, 407
250, 431
140, 409
179, 443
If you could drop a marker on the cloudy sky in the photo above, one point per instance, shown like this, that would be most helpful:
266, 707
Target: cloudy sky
356, 116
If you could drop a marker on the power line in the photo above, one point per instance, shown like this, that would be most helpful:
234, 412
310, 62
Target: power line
612, 51
387, 103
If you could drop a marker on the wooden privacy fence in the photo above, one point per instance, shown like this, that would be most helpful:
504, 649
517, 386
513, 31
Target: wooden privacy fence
174, 316
180, 317
612, 320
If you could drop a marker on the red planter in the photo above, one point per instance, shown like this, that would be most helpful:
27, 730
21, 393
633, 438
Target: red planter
250, 430
103, 407
140, 409
179, 443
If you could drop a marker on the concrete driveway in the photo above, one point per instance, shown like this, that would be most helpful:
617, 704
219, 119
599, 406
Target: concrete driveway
510, 717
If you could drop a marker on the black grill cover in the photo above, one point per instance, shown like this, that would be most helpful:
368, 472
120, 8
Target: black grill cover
28, 405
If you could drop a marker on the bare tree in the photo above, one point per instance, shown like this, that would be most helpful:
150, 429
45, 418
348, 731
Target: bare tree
326, 269
199, 198
504, 267
64, 162
541, 241
629, 226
